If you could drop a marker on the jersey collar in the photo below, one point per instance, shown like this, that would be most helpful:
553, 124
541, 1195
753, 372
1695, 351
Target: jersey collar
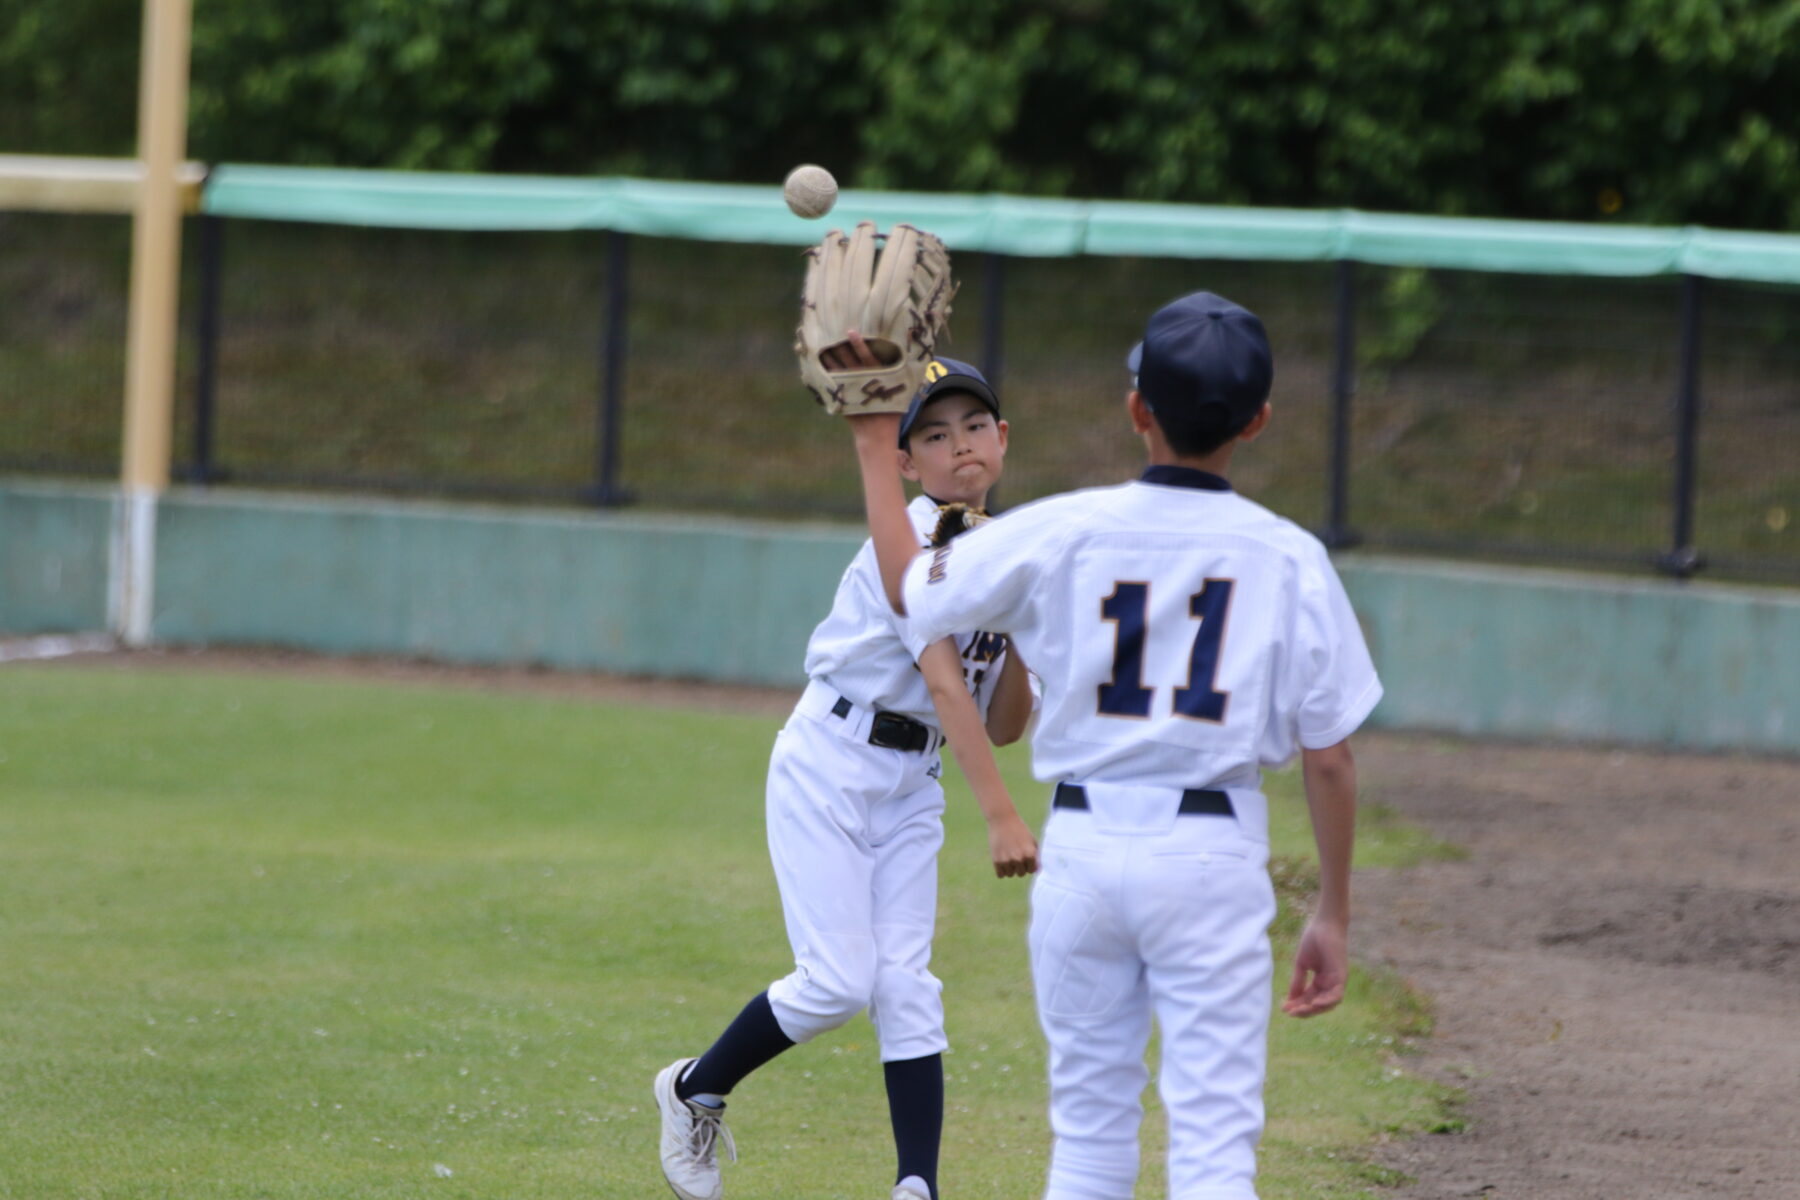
1186, 477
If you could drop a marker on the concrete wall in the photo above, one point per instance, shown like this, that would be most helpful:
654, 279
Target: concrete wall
1530, 653
1468, 649
53, 557
654, 595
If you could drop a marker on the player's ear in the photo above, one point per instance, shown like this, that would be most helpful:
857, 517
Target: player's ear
1257, 423
906, 466
1142, 419
1000, 427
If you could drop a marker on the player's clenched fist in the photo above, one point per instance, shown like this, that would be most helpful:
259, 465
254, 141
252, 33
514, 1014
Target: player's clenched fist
1012, 845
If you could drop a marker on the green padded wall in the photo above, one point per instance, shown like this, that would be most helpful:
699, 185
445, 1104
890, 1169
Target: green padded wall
654, 595
53, 557
1478, 650
1533, 653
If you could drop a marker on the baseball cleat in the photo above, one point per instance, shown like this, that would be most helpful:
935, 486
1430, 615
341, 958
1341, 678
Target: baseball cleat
691, 1134
907, 1190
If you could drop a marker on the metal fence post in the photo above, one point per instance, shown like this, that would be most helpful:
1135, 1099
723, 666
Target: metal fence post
1682, 559
206, 370
606, 491
1343, 384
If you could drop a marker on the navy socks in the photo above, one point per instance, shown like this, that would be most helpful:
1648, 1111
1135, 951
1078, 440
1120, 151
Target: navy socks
915, 1086
750, 1041
915, 1089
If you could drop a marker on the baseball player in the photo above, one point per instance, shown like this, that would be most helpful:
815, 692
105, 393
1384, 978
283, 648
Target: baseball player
1185, 637
855, 815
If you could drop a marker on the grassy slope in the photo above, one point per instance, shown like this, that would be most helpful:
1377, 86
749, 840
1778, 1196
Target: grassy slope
282, 938
1489, 409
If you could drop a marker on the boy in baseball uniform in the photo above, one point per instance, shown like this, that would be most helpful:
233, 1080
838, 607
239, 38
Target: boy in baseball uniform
855, 815
1185, 638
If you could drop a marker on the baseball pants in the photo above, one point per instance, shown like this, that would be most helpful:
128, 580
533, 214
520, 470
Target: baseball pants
854, 832
1167, 919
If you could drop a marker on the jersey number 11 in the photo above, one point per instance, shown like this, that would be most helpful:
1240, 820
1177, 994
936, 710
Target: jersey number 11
1125, 694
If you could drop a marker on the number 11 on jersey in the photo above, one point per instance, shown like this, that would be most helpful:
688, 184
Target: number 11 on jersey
1125, 695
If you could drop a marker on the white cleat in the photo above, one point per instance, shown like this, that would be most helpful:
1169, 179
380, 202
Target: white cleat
691, 1134
906, 1189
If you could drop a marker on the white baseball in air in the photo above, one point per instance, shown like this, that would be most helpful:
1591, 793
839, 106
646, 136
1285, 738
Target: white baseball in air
810, 191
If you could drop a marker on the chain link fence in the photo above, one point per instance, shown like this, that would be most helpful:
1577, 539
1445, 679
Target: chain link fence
1618, 423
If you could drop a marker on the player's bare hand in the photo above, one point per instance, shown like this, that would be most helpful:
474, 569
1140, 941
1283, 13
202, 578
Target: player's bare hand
854, 354
1014, 849
1321, 968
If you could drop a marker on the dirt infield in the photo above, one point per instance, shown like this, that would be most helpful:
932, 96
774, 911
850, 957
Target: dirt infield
1614, 968
1614, 965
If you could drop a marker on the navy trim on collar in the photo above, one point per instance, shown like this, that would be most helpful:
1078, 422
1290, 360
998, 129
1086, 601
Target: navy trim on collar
1169, 475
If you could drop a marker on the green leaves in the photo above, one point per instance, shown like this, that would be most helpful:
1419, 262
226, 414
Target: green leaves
68, 76
1664, 111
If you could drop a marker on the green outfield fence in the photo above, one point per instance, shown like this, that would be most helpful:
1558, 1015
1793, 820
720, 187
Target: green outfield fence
1605, 395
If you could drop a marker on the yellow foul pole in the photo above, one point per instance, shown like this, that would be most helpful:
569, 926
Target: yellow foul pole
155, 298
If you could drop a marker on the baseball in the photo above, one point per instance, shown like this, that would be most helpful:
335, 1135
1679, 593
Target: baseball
810, 191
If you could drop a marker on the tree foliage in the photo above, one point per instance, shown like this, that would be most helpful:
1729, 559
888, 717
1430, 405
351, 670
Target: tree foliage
1663, 111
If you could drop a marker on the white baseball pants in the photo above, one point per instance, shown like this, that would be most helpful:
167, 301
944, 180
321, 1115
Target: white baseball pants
1167, 917
854, 833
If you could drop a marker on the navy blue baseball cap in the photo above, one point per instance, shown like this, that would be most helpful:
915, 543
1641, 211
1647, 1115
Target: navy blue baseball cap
948, 375
1204, 366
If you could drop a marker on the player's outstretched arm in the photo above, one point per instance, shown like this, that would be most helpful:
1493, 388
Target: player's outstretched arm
884, 499
884, 496
1322, 965
1010, 841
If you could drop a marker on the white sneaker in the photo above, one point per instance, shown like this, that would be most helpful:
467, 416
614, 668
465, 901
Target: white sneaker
690, 1137
906, 1189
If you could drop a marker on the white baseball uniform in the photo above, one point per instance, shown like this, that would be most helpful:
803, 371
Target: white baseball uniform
855, 828
1185, 637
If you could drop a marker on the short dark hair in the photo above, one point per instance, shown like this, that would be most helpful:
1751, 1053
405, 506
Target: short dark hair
1197, 439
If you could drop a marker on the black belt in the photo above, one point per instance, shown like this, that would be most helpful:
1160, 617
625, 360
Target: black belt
1195, 802
891, 730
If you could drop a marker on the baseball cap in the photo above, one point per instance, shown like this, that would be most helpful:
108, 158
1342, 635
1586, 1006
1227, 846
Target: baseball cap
948, 375
1204, 366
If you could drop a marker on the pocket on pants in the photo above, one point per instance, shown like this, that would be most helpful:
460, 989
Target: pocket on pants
1078, 966
1221, 856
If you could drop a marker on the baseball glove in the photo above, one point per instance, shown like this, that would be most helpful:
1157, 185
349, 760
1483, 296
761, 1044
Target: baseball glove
954, 519
897, 296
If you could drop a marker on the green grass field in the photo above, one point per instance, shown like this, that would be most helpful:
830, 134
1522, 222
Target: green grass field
278, 937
